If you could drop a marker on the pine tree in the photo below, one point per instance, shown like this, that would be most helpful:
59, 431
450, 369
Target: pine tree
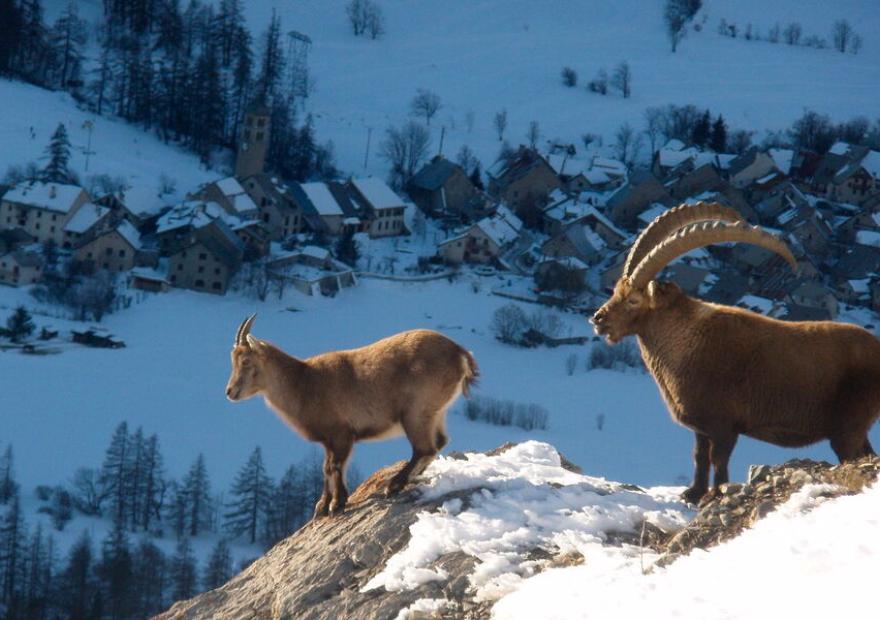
346, 248
68, 36
58, 152
176, 510
37, 587
116, 572
303, 153
702, 129
718, 139
250, 496
11, 41
19, 326
33, 53
78, 588
197, 490
113, 477
8, 485
150, 579
13, 540
271, 63
153, 484
135, 480
291, 505
218, 570
182, 571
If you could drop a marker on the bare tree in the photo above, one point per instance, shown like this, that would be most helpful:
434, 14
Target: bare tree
740, 140
600, 84
500, 123
467, 159
570, 364
375, 20
841, 33
773, 33
508, 323
675, 17
425, 103
622, 79
792, 33
569, 77
534, 134
355, 10
654, 126
628, 144
590, 138
405, 148
856, 44
469, 120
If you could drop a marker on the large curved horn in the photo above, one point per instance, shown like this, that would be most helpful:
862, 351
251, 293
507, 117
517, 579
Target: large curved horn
672, 220
698, 235
244, 329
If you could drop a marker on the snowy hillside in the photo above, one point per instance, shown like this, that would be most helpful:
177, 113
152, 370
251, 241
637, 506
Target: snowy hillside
482, 56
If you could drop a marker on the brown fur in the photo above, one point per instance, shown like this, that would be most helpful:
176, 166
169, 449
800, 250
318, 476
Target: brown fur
401, 384
724, 371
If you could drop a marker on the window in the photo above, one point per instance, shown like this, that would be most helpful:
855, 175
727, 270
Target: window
200, 283
179, 266
201, 269
39, 214
261, 122
54, 217
183, 254
51, 229
108, 251
217, 271
106, 266
217, 286
89, 255
203, 256
259, 136
173, 278
121, 253
38, 226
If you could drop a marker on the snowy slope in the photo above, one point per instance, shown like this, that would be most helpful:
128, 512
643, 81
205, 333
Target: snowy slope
482, 56
171, 376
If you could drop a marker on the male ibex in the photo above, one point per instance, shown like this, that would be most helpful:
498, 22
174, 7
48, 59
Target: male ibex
401, 384
724, 371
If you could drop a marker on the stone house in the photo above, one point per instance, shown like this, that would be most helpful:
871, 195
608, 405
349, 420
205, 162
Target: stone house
206, 263
115, 249
442, 188
702, 179
642, 190
484, 241
812, 294
577, 240
278, 208
524, 180
175, 227
41, 209
231, 196
746, 168
21, 267
88, 220
848, 173
383, 208
313, 270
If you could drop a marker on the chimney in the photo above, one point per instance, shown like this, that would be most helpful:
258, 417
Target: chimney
53, 191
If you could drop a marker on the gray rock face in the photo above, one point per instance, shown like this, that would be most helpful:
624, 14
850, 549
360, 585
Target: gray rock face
317, 573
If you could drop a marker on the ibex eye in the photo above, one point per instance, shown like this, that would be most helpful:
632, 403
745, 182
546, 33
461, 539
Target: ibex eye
632, 302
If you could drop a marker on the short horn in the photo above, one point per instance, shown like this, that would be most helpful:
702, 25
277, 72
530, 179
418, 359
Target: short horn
702, 234
671, 221
244, 329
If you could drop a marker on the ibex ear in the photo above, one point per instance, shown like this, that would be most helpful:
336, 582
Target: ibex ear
651, 289
254, 342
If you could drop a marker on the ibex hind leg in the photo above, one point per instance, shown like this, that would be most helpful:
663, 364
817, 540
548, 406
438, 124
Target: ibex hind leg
423, 437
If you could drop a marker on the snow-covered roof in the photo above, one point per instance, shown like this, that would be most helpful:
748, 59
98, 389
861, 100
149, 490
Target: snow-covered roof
839, 148
377, 193
871, 163
85, 217
767, 178
195, 213
229, 186
754, 301
315, 252
670, 158
596, 176
861, 287
53, 196
610, 166
320, 196
652, 213
142, 200
674, 145
782, 158
724, 160
129, 233
868, 237
502, 228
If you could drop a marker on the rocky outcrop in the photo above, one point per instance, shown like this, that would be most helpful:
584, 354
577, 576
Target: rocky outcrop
739, 506
318, 572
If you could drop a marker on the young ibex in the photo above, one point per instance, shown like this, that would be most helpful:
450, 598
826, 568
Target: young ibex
401, 384
724, 371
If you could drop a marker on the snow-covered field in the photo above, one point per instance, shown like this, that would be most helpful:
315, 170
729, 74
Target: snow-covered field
170, 380
811, 558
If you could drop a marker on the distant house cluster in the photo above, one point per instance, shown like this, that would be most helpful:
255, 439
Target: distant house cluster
199, 243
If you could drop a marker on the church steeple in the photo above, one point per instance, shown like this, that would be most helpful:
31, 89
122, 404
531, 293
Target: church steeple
250, 158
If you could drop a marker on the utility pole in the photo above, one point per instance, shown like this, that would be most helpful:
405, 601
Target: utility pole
442, 136
367, 152
88, 125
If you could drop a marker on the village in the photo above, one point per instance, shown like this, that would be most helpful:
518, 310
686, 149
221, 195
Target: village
554, 224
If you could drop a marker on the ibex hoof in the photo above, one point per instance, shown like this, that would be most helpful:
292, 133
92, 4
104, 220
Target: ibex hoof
692, 495
336, 509
394, 487
321, 510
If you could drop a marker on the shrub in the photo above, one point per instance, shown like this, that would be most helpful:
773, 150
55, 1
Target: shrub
506, 413
569, 77
619, 357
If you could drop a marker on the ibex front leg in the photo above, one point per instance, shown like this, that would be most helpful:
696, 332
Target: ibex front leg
339, 452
